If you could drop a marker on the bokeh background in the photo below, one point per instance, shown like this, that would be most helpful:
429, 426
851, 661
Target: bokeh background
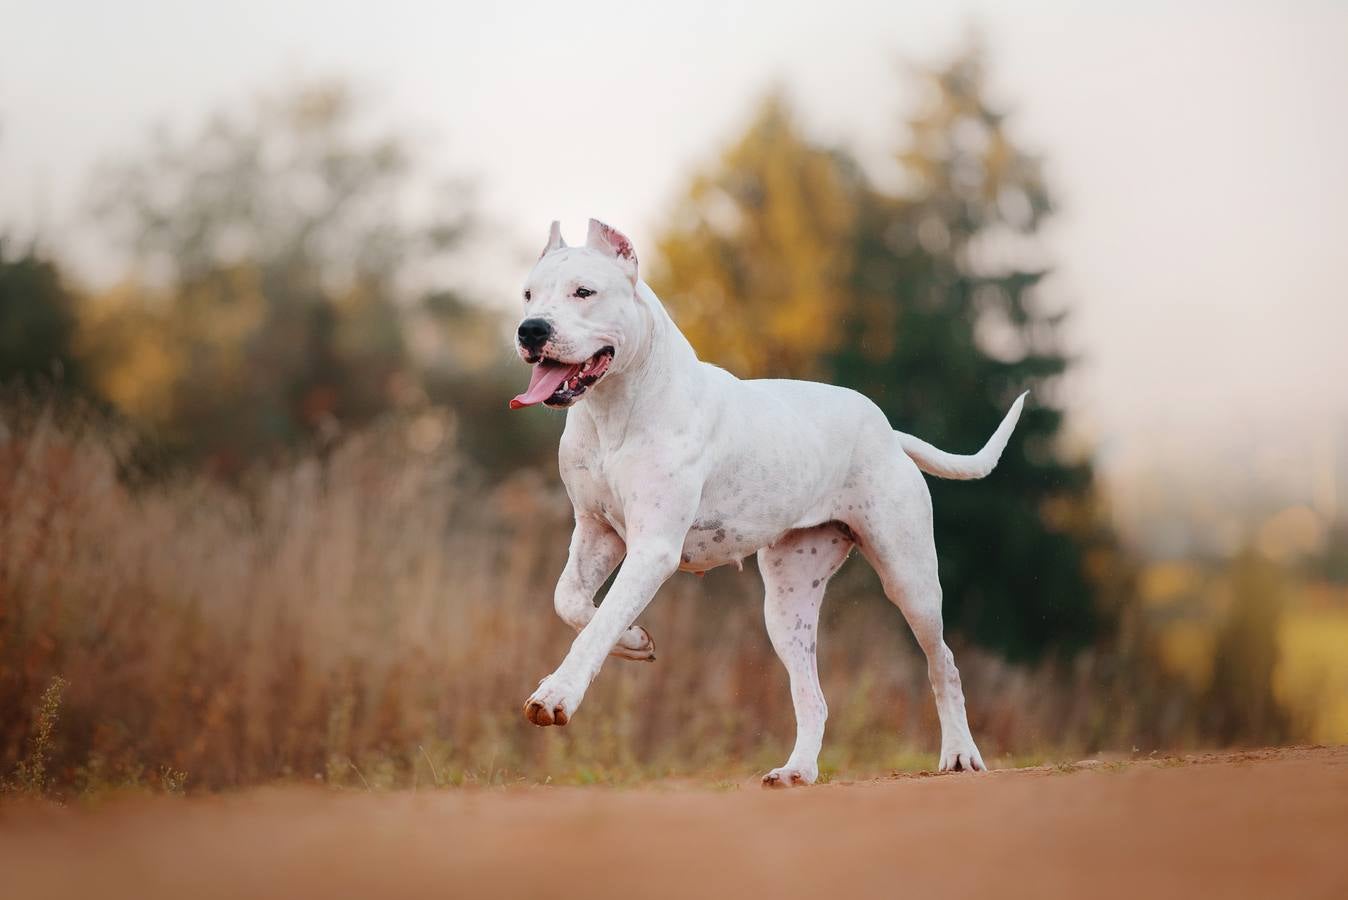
264, 514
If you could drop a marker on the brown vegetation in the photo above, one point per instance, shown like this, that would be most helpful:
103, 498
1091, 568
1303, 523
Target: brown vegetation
376, 617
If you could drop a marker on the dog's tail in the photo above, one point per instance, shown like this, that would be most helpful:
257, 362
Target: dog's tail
935, 461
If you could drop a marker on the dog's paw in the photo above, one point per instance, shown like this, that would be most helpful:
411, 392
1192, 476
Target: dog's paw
551, 704
636, 643
963, 758
790, 776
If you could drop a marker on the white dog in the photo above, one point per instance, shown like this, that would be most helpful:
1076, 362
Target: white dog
672, 463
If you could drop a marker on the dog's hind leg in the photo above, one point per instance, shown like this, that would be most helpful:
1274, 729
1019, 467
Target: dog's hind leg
596, 551
795, 572
892, 522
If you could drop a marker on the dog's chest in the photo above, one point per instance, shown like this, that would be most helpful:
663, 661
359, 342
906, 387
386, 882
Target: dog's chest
595, 486
741, 506
604, 487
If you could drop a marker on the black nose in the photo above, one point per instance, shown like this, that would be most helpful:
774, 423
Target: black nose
534, 333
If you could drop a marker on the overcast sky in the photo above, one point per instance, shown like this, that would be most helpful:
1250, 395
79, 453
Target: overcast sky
1199, 151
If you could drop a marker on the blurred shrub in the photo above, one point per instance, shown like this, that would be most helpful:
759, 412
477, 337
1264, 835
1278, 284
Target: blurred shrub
37, 319
1241, 700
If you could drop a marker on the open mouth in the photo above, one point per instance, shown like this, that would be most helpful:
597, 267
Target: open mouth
556, 383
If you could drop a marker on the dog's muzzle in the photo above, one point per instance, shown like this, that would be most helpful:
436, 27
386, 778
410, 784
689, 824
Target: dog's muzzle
555, 383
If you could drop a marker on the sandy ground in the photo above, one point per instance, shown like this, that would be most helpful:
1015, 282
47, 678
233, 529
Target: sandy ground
1266, 824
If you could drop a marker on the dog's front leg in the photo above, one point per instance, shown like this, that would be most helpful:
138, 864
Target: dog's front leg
650, 561
596, 551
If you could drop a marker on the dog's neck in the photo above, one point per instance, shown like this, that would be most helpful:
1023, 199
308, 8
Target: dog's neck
656, 362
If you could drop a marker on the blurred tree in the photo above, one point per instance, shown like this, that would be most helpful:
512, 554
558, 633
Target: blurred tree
784, 261
948, 330
37, 319
758, 251
270, 294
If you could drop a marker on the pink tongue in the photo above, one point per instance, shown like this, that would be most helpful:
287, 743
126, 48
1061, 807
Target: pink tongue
546, 378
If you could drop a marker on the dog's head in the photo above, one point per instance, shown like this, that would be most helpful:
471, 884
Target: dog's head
580, 313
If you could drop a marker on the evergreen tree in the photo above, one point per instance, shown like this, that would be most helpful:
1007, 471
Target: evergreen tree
945, 334
784, 261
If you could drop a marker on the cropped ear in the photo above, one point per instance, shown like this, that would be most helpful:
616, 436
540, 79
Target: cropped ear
614, 243
555, 241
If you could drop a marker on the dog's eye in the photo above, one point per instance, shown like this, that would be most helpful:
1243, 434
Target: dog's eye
528, 296
583, 292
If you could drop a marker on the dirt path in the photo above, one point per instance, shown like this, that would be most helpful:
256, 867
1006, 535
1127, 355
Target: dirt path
1266, 824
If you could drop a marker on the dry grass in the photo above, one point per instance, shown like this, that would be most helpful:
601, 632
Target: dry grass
377, 617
